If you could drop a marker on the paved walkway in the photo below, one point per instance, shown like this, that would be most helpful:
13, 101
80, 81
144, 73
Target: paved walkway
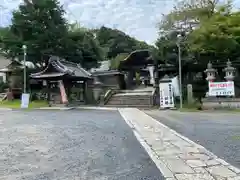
177, 157
218, 132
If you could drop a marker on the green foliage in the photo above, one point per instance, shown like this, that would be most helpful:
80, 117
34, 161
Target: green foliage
39, 25
211, 32
81, 47
167, 48
115, 42
42, 27
187, 14
219, 36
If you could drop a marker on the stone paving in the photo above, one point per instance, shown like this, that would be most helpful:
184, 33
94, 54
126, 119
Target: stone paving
177, 157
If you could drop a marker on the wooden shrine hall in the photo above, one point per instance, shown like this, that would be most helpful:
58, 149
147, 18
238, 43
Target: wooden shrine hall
64, 82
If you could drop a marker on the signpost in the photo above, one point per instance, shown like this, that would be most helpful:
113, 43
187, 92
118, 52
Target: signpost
221, 88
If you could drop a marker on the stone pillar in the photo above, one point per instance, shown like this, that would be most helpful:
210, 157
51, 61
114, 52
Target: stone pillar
189, 94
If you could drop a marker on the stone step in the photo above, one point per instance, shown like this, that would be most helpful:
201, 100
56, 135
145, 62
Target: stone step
129, 103
130, 98
133, 101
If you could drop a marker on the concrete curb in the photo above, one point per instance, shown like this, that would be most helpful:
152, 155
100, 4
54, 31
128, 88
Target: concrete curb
98, 108
6, 109
64, 108
54, 108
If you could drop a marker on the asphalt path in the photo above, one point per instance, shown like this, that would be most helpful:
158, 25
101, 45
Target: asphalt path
216, 131
69, 145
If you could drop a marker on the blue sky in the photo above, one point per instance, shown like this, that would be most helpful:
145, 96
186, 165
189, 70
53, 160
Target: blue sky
137, 18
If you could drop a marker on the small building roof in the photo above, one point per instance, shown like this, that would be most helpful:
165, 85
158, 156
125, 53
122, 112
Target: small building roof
57, 68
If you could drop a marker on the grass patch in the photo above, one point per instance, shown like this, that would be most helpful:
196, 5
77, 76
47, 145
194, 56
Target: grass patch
15, 104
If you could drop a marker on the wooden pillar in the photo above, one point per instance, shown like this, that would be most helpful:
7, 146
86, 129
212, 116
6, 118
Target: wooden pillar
67, 88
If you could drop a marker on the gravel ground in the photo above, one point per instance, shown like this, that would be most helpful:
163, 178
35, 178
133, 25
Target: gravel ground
218, 132
69, 145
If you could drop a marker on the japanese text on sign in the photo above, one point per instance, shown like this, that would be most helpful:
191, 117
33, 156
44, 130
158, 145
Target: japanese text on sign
221, 88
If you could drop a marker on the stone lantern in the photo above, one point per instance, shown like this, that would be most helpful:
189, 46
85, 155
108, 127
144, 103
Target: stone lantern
211, 73
229, 71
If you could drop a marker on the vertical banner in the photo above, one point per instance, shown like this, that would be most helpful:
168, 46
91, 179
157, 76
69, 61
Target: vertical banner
25, 100
166, 95
63, 92
175, 84
151, 72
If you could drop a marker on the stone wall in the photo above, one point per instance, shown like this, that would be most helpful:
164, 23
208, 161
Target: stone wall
221, 103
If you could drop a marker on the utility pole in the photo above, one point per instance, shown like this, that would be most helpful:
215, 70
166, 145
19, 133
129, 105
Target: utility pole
179, 37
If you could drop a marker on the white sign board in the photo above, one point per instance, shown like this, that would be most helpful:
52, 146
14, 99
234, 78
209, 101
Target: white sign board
166, 95
25, 100
175, 84
221, 88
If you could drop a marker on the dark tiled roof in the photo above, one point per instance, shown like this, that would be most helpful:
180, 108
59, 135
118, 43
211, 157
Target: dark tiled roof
63, 67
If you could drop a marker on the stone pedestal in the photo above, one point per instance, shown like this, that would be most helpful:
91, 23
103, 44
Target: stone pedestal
220, 103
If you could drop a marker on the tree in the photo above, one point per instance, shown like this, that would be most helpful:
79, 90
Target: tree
219, 37
116, 42
41, 26
81, 47
187, 14
194, 19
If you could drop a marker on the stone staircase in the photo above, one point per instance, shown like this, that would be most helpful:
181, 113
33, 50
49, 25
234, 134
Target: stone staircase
132, 98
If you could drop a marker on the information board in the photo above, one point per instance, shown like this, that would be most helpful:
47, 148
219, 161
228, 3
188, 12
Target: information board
221, 88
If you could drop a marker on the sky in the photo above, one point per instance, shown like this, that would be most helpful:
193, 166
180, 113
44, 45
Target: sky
138, 18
